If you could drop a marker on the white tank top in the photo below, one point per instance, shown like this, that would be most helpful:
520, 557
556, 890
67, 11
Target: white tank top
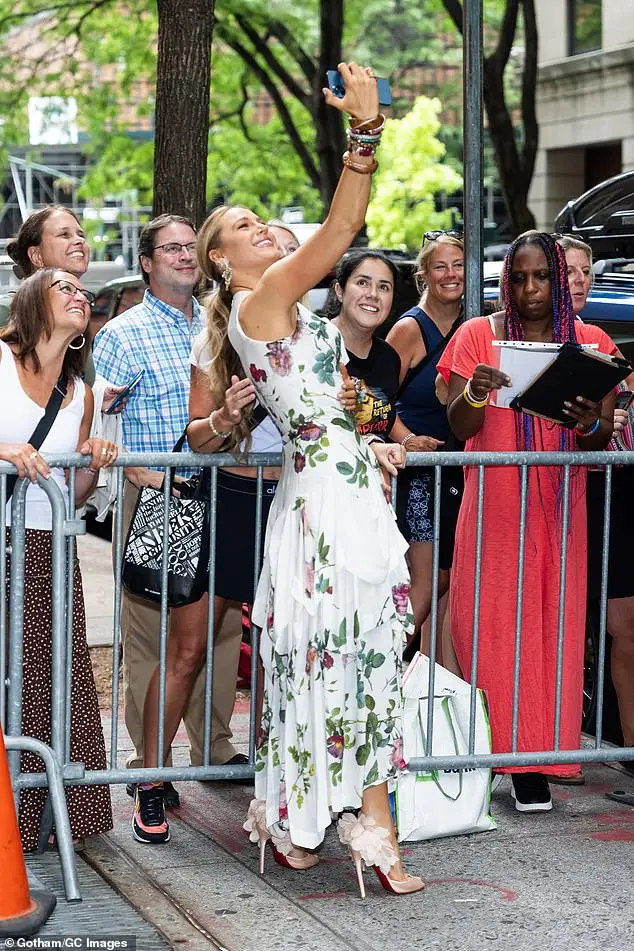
17, 426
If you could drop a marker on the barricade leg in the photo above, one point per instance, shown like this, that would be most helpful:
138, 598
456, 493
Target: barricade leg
58, 804
21, 914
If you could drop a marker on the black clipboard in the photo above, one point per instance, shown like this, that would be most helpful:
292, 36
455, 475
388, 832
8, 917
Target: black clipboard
575, 371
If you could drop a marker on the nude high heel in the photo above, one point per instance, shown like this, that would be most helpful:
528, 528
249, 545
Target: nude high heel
369, 845
279, 840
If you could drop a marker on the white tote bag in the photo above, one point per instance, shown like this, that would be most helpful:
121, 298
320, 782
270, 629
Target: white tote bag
429, 805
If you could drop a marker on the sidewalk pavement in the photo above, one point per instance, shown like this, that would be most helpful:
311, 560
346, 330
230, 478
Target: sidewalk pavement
96, 568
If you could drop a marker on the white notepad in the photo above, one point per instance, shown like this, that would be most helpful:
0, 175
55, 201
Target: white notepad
523, 361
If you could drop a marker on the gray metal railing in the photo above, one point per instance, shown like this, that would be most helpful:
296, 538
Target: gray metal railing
66, 527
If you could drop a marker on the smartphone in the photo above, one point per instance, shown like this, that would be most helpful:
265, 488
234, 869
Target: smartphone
623, 399
125, 392
338, 89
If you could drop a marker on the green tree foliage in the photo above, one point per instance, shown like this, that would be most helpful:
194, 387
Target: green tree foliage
412, 172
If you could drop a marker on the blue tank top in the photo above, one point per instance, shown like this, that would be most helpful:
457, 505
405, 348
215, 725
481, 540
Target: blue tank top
418, 405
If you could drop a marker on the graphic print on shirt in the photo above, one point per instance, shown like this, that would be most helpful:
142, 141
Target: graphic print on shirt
376, 413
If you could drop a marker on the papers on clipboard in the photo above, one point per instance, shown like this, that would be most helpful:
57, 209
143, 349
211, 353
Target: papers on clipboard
523, 361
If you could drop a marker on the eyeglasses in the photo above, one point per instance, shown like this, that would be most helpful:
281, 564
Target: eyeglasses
71, 290
434, 235
175, 248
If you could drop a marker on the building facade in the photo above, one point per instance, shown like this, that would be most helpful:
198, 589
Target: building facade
585, 99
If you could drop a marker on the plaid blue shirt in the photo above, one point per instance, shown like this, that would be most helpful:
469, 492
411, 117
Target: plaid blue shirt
158, 339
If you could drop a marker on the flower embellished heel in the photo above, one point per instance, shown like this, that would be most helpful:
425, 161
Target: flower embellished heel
284, 852
370, 844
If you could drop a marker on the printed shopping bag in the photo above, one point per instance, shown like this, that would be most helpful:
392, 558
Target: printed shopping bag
436, 803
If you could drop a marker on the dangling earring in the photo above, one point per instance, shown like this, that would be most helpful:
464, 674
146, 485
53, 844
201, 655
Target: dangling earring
79, 346
227, 275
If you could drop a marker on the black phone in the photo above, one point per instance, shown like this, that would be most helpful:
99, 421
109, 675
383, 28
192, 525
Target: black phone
623, 399
337, 87
125, 392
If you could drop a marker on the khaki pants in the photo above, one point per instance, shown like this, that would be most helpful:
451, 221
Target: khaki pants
140, 635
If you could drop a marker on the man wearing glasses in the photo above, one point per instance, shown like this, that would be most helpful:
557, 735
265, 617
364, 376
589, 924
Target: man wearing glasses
156, 336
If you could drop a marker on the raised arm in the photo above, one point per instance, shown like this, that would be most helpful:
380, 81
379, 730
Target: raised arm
286, 281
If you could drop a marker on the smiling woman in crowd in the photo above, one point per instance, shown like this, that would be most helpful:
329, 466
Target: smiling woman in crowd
419, 338
42, 349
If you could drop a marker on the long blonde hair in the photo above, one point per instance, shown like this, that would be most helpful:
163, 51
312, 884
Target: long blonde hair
224, 362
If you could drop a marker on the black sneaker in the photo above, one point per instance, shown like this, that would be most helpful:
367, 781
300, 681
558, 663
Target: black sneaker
171, 796
531, 792
149, 824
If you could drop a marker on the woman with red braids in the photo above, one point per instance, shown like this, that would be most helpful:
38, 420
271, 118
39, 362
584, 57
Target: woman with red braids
538, 307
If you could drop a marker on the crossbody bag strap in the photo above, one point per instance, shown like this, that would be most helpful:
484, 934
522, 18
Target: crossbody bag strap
43, 428
411, 374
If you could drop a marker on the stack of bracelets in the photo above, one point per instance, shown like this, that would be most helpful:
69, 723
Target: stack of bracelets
469, 397
363, 139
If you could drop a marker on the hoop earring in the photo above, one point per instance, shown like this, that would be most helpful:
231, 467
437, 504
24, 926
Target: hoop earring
80, 346
227, 275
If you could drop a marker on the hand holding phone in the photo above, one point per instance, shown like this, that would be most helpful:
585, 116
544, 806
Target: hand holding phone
124, 394
338, 89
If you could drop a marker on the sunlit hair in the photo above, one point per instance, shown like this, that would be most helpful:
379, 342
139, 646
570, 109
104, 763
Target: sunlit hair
30, 321
425, 255
30, 236
563, 314
225, 362
346, 268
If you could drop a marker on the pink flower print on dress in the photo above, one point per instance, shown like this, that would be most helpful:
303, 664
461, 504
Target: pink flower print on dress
311, 657
283, 806
400, 597
328, 660
280, 358
397, 754
335, 744
309, 583
257, 375
299, 462
310, 432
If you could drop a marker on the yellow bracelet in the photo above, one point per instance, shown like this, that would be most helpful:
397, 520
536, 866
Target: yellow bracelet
468, 398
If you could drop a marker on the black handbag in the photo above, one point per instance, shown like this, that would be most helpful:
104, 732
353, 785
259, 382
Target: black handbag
187, 545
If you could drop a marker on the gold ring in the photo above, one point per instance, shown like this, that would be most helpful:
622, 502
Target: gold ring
104, 451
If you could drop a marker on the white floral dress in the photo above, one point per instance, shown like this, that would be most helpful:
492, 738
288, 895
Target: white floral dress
333, 596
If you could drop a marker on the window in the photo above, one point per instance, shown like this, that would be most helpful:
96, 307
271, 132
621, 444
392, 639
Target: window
584, 26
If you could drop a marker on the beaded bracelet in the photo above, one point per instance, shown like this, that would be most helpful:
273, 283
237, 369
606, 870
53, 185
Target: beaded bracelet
407, 438
468, 397
217, 433
588, 432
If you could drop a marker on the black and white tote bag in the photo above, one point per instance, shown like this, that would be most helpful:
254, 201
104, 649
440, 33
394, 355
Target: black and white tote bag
187, 545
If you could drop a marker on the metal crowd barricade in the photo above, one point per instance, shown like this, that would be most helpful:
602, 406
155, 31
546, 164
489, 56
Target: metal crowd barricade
66, 527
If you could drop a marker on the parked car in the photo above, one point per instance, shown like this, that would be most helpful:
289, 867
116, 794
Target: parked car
114, 298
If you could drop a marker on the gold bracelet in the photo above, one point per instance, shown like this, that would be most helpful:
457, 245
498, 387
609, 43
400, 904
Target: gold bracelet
216, 432
469, 398
362, 169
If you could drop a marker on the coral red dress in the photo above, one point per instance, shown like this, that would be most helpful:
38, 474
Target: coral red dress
542, 559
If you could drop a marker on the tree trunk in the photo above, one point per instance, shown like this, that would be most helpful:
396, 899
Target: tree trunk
182, 107
513, 180
331, 139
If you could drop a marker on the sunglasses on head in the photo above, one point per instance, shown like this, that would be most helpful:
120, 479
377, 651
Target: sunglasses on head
434, 235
